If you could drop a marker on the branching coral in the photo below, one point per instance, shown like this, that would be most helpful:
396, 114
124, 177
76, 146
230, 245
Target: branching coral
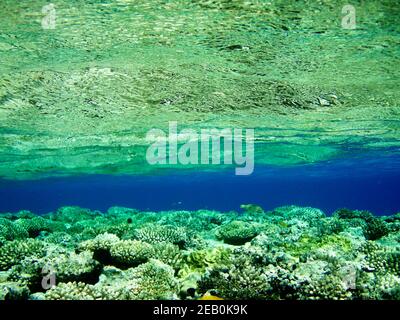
373, 227
169, 254
151, 280
12, 231
239, 280
65, 266
13, 252
72, 291
35, 225
157, 234
329, 287
130, 253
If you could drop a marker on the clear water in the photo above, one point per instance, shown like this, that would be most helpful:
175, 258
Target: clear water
368, 183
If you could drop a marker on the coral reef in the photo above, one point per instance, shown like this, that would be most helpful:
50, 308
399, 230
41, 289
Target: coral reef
129, 253
237, 232
287, 253
11, 253
160, 234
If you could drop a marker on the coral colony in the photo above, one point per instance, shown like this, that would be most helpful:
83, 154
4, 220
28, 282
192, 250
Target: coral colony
287, 253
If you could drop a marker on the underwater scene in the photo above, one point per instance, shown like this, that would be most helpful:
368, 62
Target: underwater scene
199, 150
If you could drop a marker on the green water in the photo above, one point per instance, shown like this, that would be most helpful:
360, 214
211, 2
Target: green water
80, 98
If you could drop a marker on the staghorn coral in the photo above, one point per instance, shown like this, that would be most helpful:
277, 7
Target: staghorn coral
59, 238
306, 214
70, 266
199, 221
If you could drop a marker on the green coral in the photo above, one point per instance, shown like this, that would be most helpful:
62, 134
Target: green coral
169, 254
310, 245
102, 241
72, 291
374, 228
330, 287
163, 233
34, 225
197, 261
118, 211
155, 281
73, 214
14, 251
65, 266
375, 286
241, 280
9, 230
237, 232
130, 253
380, 258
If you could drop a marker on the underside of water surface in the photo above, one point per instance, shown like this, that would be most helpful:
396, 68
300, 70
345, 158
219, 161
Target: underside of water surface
84, 215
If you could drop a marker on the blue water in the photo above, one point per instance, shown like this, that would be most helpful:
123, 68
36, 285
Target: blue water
370, 183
